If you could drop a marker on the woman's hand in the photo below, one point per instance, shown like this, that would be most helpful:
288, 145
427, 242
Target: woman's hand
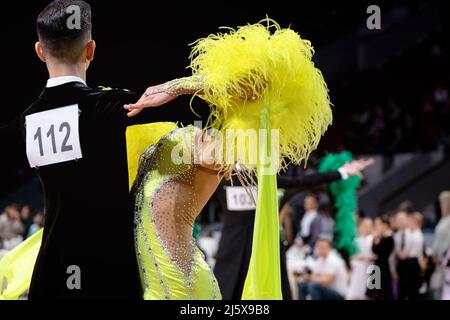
154, 96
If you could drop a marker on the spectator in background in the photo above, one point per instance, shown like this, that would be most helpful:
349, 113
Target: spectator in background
446, 287
326, 226
316, 221
382, 247
38, 223
361, 261
25, 216
310, 223
392, 217
328, 280
400, 226
409, 254
441, 245
405, 207
11, 227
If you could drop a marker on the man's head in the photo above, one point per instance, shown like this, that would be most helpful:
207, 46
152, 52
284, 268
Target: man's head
311, 202
64, 30
401, 220
25, 213
415, 220
324, 246
38, 219
406, 206
12, 211
383, 223
365, 227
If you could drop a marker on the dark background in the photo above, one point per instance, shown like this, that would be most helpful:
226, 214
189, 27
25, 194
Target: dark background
142, 43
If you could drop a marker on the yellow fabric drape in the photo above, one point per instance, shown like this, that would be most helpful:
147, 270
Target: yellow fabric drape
263, 280
16, 268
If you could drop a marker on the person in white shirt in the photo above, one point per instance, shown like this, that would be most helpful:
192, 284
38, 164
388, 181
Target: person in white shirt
446, 282
328, 280
441, 245
409, 254
298, 259
361, 261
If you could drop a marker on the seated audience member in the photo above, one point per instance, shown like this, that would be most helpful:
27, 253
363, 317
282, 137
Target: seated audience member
328, 277
11, 227
298, 260
446, 286
38, 223
441, 245
25, 216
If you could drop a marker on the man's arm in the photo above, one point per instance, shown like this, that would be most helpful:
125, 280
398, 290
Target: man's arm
160, 94
109, 104
308, 181
352, 168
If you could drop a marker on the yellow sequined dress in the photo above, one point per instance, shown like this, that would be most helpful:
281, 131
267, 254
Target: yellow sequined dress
171, 265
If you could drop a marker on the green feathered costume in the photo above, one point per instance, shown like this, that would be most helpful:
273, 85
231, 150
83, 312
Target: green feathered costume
345, 202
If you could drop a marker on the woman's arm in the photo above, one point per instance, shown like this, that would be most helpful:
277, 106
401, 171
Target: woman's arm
161, 94
157, 95
178, 87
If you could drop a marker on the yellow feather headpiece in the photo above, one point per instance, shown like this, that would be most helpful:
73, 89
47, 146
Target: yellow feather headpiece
276, 65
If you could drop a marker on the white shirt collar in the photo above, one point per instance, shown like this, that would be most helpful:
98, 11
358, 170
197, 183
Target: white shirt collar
57, 81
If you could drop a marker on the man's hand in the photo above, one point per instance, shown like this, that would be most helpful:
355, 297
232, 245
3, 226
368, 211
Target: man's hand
153, 97
357, 166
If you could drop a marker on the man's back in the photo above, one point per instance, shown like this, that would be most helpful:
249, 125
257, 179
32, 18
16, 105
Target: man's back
89, 220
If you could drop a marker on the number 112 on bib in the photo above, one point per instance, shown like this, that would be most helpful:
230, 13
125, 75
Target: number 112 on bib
53, 136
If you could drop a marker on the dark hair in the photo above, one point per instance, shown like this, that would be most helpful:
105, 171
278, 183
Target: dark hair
406, 206
61, 33
13, 206
385, 219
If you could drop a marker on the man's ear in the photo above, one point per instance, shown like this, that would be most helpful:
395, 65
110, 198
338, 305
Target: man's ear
39, 51
90, 50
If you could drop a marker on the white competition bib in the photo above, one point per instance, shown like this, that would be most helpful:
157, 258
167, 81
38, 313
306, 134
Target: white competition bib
239, 200
52, 136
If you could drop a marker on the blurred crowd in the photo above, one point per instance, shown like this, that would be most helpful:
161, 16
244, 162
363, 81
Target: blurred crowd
392, 261
391, 128
402, 107
17, 223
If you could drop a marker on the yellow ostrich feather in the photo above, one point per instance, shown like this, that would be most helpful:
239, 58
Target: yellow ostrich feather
273, 63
